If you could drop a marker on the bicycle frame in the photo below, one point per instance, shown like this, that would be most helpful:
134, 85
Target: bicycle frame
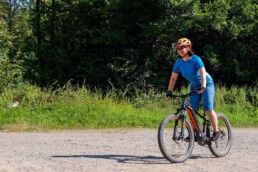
201, 132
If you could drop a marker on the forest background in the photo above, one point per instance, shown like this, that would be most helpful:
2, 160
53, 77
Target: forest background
119, 53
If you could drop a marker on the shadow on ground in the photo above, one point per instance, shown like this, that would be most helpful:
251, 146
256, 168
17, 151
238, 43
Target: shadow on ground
128, 158
121, 158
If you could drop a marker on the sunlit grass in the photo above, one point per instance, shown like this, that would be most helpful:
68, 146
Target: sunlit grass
80, 108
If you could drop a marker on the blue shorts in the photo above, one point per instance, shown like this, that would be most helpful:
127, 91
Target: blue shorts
207, 96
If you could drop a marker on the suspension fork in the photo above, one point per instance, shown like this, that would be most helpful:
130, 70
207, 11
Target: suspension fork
183, 124
183, 119
183, 107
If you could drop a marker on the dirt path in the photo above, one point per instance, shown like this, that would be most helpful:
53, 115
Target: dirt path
116, 150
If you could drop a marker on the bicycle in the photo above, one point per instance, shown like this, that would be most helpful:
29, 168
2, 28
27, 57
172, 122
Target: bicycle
176, 135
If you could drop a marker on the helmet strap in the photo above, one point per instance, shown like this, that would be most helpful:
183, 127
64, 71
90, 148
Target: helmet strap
185, 54
188, 48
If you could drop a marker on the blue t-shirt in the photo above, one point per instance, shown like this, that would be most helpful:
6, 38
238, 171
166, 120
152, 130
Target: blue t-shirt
190, 70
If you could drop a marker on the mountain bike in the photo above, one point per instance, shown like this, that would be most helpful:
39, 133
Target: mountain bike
176, 134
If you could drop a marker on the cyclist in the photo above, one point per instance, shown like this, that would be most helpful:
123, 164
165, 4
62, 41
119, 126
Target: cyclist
192, 69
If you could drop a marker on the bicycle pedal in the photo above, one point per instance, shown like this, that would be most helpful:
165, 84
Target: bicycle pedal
206, 139
223, 133
187, 139
202, 143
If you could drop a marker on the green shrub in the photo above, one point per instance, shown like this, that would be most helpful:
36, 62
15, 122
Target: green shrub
72, 107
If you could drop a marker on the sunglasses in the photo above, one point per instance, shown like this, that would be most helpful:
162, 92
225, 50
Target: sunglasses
180, 48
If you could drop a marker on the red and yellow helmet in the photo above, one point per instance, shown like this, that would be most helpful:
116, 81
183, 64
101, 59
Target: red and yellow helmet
183, 42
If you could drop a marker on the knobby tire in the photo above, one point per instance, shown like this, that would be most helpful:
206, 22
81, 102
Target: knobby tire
179, 149
222, 146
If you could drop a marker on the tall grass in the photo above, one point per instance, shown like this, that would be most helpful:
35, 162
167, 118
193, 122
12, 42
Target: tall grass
80, 108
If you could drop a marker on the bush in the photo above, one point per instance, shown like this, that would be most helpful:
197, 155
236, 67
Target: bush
72, 107
11, 73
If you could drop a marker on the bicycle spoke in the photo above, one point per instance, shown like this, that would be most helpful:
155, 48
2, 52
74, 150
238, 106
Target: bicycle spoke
222, 146
171, 144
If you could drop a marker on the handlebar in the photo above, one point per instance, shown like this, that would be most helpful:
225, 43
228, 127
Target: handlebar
186, 95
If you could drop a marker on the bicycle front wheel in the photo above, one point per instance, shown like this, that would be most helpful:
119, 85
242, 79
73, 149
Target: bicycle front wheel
222, 146
174, 145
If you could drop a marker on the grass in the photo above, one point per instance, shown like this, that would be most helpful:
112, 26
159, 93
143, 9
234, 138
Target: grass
79, 108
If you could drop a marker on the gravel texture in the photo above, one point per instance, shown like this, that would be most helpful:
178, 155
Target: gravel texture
116, 150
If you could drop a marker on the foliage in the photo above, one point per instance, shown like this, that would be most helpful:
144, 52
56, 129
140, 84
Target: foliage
125, 44
11, 73
121, 42
11, 70
13, 28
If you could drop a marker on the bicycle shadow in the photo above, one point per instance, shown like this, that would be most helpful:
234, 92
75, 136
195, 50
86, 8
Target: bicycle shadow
131, 158
201, 156
121, 158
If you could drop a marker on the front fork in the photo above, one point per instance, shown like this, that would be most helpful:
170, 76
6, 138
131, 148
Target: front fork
183, 119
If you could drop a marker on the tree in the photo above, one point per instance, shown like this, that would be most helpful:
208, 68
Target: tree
12, 31
122, 42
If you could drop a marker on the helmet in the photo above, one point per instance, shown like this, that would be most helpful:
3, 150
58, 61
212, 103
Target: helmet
183, 42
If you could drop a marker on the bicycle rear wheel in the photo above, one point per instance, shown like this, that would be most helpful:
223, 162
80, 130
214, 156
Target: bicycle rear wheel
172, 146
222, 146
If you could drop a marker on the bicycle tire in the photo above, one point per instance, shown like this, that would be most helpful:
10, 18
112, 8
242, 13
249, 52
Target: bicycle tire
168, 146
222, 146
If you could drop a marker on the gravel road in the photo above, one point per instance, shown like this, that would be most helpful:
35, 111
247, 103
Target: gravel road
116, 150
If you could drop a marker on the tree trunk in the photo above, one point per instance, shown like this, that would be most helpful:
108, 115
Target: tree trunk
38, 22
53, 18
